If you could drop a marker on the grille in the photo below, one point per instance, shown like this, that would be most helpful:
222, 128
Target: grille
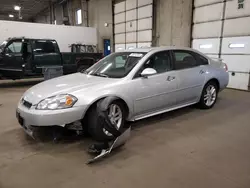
26, 103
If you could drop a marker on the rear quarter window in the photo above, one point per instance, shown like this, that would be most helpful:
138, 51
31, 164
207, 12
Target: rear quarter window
184, 59
202, 60
41, 46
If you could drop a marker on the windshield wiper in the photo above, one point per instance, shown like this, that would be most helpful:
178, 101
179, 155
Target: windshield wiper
100, 74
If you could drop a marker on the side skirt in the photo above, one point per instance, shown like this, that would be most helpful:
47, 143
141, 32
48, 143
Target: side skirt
161, 111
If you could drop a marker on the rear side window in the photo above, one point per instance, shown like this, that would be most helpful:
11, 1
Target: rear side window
202, 60
45, 47
184, 60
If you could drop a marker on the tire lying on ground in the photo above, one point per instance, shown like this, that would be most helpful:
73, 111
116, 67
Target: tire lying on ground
106, 119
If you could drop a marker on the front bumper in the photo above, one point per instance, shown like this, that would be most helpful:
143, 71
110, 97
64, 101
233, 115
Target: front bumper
31, 117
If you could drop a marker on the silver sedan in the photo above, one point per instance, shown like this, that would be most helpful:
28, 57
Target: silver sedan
146, 82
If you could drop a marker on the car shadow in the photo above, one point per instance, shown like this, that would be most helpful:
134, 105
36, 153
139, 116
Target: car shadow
65, 136
62, 135
174, 117
70, 142
162, 117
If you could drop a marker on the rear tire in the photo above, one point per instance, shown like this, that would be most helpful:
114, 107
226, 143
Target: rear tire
209, 95
96, 125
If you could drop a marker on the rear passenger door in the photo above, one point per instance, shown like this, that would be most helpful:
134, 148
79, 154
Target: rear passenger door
190, 68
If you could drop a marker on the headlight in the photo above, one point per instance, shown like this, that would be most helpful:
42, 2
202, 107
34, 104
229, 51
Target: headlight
57, 102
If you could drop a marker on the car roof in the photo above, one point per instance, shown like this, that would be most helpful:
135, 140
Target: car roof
17, 38
155, 49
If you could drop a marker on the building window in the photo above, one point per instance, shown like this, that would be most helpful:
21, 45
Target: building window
79, 17
240, 4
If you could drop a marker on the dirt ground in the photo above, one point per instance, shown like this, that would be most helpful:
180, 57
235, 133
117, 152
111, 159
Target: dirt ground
187, 148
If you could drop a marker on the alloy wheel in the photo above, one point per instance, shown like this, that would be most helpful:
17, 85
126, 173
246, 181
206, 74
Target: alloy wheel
115, 117
210, 95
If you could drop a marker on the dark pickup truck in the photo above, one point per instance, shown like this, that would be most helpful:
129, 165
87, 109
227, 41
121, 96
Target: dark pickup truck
24, 58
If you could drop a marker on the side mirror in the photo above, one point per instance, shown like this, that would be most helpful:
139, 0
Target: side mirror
148, 72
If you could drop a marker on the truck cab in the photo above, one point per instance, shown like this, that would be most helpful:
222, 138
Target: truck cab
23, 57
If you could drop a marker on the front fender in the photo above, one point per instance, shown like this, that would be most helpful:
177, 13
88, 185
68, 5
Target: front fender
95, 100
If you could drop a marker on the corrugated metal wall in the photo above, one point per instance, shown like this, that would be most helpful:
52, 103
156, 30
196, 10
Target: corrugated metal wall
133, 24
222, 29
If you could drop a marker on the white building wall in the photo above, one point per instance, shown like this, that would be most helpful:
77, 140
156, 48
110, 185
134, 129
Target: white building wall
222, 29
64, 35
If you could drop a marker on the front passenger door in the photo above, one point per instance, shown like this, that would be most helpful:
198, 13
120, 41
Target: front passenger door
156, 92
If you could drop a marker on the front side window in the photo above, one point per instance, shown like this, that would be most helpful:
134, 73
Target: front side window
184, 60
116, 65
160, 61
45, 46
14, 47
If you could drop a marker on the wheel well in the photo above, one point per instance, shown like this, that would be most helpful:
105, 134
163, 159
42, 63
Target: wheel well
94, 104
215, 81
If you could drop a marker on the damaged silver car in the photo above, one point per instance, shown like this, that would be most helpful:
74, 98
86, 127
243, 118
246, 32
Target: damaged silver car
143, 82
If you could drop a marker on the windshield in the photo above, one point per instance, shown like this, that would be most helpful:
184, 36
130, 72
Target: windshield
3, 45
116, 65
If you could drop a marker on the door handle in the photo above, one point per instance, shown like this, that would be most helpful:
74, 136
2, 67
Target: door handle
170, 78
9, 55
202, 71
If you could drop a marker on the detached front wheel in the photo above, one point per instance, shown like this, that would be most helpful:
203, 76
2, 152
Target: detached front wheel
209, 95
116, 113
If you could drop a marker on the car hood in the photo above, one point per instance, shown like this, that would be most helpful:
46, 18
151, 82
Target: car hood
65, 85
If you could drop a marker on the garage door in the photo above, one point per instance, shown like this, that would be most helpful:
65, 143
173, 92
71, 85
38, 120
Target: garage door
222, 30
133, 24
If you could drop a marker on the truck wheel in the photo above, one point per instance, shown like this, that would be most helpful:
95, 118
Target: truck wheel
82, 68
116, 113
